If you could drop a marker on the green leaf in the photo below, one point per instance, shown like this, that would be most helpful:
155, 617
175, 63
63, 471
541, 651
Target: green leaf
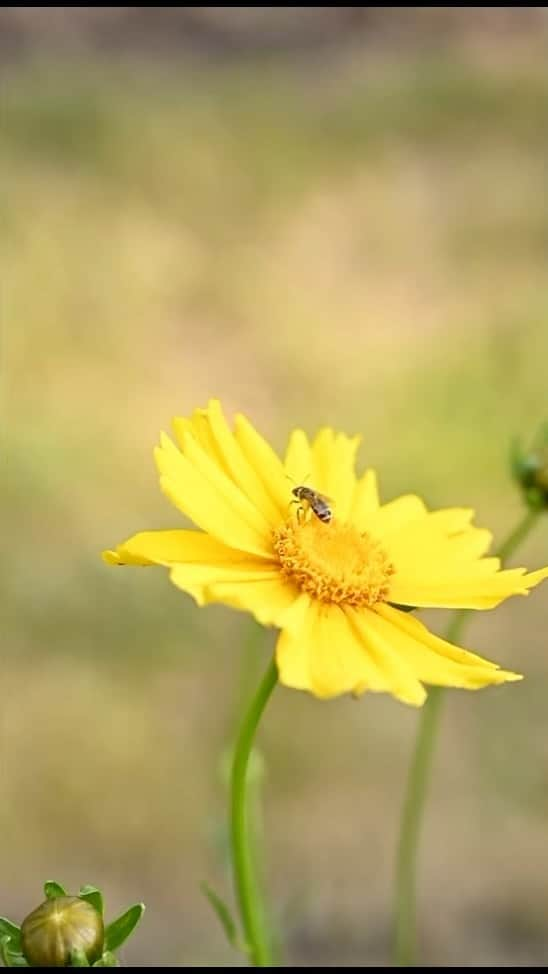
52, 890
11, 930
78, 959
94, 896
11, 957
227, 921
120, 929
107, 960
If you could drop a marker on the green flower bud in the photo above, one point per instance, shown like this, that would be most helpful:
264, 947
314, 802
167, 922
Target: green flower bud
52, 933
530, 469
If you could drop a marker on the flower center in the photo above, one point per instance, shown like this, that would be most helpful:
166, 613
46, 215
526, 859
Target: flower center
333, 562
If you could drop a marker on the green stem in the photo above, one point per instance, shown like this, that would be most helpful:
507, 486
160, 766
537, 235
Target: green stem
247, 886
518, 535
418, 778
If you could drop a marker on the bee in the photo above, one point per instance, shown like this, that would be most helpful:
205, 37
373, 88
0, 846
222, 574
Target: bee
319, 503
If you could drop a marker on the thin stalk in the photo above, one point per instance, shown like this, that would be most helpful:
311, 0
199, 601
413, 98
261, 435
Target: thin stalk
419, 777
248, 892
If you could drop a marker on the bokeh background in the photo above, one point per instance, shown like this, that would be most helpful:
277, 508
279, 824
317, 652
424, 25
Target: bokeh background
321, 215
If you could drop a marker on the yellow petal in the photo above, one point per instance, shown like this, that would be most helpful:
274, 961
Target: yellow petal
441, 546
469, 546
433, 659
334, 462
265, 461
264, 594
196, 485
243, 455
393, 516
534, 578
199, 426
365, 500
170, 547
443, 559
438, 563
119, 556
247, 507
444, 533
480, 586
244, 474
399, 676
298, 459
317, 651
321, 649
450, 520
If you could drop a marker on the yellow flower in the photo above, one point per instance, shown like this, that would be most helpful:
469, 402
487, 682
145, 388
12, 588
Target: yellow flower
335, 588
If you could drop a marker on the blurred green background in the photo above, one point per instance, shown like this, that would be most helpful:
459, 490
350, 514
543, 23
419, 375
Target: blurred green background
320, 215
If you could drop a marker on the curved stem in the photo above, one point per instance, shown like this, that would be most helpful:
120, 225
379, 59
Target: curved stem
418, 778
245, 879
518, 535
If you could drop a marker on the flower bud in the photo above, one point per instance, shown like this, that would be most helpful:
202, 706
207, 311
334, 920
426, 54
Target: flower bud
52, 933
530, 468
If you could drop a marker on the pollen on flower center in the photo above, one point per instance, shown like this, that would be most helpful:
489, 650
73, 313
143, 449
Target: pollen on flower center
333, 562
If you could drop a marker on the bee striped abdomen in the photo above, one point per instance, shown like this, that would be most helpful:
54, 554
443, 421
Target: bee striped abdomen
323, 512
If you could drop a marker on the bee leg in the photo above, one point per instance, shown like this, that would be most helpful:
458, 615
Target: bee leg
300, 512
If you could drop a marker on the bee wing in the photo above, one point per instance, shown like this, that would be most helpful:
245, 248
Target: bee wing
326, 498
